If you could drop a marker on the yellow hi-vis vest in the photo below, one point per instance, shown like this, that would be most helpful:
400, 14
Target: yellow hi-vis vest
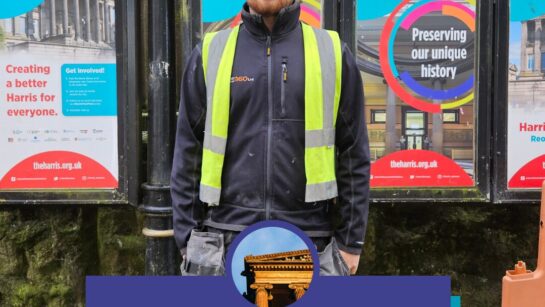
323, 70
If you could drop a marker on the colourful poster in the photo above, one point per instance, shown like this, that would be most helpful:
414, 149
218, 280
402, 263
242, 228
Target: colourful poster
526, 99
417, 60
58, 95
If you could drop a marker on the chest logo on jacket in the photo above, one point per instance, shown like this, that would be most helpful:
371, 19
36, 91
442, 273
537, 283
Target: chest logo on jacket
241, 79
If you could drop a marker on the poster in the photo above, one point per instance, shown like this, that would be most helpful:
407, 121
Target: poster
526, 98
58, 96
417, 60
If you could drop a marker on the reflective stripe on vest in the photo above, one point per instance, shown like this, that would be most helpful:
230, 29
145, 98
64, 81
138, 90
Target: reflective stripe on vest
323, 72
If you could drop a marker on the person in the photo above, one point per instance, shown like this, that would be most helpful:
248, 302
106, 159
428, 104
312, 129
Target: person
271, 127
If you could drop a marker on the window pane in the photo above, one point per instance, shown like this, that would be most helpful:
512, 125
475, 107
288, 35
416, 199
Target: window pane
424, 50
415, 121
526, 99
379, 116
450, 117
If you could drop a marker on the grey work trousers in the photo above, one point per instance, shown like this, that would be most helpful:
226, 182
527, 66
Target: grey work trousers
206, 250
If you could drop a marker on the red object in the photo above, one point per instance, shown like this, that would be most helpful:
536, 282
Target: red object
58, 169
237, 20
530, 175
418, 168
523, 288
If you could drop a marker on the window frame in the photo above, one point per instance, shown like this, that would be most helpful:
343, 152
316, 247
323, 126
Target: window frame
456, 113
129, 135
480, 193
500, 192
375, 112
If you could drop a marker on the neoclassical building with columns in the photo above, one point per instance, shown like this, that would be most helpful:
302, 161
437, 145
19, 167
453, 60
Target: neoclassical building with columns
277, 280
78, 23
527, 82
532, 57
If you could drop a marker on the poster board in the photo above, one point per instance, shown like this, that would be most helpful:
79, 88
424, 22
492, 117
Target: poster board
517, 150
425, 107
62, 105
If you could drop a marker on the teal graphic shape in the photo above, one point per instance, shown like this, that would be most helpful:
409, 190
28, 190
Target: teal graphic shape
218, 10
372, 9
10, 9
89, 90
455, 301
522, 10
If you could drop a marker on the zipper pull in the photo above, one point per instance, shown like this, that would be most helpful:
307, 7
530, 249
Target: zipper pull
285, 69
268, 46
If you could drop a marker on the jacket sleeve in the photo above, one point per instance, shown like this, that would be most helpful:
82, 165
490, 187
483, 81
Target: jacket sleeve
353, 164
186, 167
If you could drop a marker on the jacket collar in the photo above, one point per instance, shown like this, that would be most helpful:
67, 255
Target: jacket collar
287, 20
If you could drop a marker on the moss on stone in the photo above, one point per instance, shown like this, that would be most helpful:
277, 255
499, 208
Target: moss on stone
60, 290
121, 246
45, 253
29, 295
472, 244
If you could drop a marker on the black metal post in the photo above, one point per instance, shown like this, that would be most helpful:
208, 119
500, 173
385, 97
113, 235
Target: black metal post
347, 23
190, 28
330, 14
188, 32
127, 40
161, 251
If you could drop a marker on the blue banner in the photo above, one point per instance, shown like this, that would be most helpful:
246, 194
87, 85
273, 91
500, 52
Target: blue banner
522, 10
369, 9
376, 291
89, 90
218, 10
10, 9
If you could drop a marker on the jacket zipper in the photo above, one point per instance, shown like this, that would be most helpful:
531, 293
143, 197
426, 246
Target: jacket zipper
283, 86
269, 132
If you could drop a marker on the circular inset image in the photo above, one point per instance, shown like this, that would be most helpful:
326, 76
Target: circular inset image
272, 264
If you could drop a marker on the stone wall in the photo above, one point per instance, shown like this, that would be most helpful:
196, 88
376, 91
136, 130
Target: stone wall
45, 254
474, 245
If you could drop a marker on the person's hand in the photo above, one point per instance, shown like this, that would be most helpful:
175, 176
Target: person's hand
351, 260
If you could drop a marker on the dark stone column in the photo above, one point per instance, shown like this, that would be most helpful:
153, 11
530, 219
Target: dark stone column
77, 20
30, 25
53, 18
97, 21
537, 47
88, 20
65, 17
524, 42
391, 137
437, 125
106, 22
